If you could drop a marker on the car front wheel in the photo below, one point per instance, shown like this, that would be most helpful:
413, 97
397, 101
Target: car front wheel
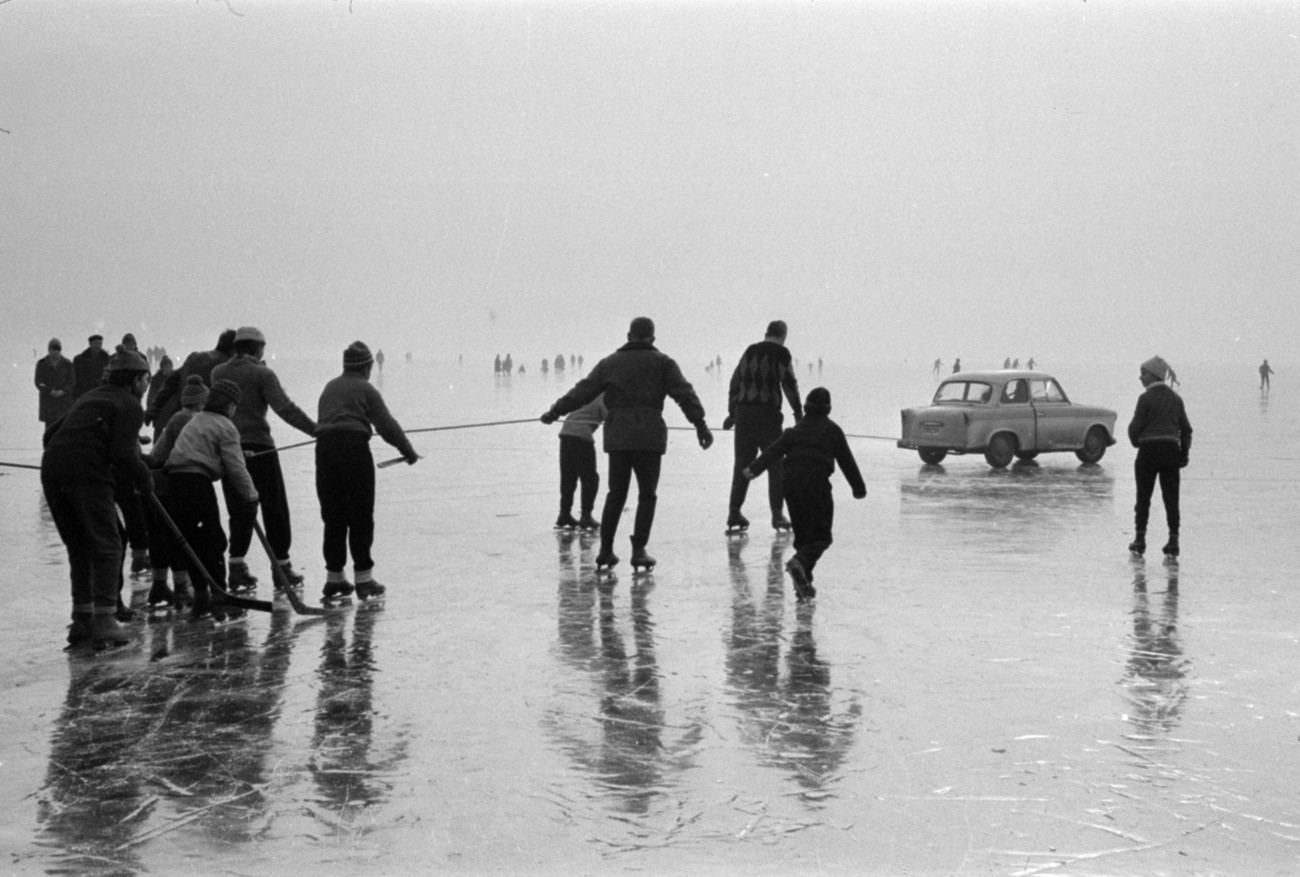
1094, 446
932, 456
1001, 449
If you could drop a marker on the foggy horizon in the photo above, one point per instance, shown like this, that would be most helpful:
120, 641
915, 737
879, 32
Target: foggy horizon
1069, 181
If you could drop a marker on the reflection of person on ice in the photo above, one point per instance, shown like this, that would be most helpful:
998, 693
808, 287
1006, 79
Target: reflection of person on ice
811, 448
635, 380
1163, 436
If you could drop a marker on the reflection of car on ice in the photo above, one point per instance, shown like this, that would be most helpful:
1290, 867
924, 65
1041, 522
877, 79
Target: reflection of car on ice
1006, 415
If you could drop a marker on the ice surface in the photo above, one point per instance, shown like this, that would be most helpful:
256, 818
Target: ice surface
986, 683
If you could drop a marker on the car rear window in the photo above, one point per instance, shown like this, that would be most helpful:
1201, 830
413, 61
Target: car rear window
976, 392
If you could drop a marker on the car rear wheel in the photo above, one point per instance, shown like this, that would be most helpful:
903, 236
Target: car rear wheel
1001, 450
1094, 446
932, 456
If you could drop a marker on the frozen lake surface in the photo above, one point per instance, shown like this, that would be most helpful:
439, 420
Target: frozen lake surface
986, 683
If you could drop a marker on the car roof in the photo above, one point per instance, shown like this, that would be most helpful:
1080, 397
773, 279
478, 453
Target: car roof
999, 376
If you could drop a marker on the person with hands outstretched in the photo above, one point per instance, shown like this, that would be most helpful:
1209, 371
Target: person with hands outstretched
810, 449
635, 379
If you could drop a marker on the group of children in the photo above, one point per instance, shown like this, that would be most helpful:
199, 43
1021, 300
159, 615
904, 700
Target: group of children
211, 425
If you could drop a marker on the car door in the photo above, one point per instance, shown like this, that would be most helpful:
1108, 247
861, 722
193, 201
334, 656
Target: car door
1016, 413
1056, 420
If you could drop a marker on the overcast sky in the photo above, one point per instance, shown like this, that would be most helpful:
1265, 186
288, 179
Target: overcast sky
1055, 178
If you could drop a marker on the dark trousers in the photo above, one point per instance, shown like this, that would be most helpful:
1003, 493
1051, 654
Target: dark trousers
812, 513
578, 465
756, 427
1157, 460
273, 503
164, 552
133, 515
192, 503
86, 518
345, 486
622, 465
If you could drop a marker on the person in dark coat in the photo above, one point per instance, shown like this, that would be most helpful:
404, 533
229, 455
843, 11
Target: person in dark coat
55, 382
811, 448
201, 362
635, 379
350, 410
1162, 434
88, 366
98, 437
762, 376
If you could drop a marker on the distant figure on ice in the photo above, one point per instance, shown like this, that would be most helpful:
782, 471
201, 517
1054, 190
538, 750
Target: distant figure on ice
1162, 434
99, 437
559, 363
259, 390
349, 411
578, 464
1030, 365
507, 365
379, 359
55, 380
546, 366
1264, 371
811, 448
763, 374
938, 366
88, 366
956, 365
496, 365
635, 380
1006, 363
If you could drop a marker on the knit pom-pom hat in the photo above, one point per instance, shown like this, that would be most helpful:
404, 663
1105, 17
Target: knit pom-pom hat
357, 356
223, 392
1156, 366
195, 393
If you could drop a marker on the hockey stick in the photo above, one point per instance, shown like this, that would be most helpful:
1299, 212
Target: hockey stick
233, 599
282, 580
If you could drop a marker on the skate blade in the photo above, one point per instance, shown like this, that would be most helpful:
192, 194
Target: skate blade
110, 647
736, 531
335, 602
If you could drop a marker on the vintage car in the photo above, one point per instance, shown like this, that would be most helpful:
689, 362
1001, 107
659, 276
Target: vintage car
1006, 415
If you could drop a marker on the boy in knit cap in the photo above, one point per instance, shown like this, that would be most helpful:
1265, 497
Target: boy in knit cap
207, 450
260, 389
164, 552
578, 463
350, 409
99, 435
811, 448
1162, 434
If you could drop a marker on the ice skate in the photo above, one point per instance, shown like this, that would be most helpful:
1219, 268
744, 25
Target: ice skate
587, 523
223, 612
606, 560
241, 579
336, 593
803, 589
140, 564
161, 599
566, 521
1171, 549
780, 523
107, 632
370, 591
123, 613
202, 605
1138, 546
291, 575
737, 524
641, 561
81, 632
182, 596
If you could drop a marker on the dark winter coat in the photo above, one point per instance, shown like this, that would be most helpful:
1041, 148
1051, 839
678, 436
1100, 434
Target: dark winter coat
635, 379
101, 431
1160, 416
764, 373
811, 449
168, 400
88, 367
51, 377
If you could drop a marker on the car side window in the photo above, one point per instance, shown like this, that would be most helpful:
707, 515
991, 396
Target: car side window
963, 391
1015, 392
1046, 390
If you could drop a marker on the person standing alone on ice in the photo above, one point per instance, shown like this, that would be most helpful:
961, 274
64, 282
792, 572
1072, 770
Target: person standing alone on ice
345, 471
635, 379
259, 389
54, 382
1162, 434
1264, 371
763, 374
811, 449
100, 435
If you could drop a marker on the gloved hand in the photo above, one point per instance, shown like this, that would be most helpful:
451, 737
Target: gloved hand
729, 422
860, 494
705, 435
549, 417
1182, 463
411, 458
748, 475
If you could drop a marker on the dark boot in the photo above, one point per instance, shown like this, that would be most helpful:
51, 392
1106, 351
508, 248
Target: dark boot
106, 631
160, 594
81, 632
240, 578
1171, 547
1139, 544
566, 521
370, 590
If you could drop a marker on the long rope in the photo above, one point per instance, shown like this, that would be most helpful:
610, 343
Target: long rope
408, 432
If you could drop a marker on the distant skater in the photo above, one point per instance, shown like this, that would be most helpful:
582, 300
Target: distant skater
635, 379
1264, 371
938, 366
350, 409
1162, 434
811, 448
578, 465
956, 365
763, 375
